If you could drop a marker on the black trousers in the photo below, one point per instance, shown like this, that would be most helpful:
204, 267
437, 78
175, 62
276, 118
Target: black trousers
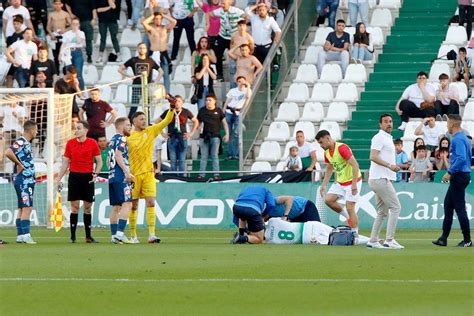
409, 109
455, 200
220, 49
451, 108
261, 52
310, 214
465, 17
188, 25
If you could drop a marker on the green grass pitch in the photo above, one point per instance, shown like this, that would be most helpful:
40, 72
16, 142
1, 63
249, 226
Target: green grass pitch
197, 272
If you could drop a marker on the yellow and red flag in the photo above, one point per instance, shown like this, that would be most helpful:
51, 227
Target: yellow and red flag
57, 217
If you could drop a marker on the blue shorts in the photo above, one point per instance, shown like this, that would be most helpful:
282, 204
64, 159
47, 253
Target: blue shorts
253, 218
119, 193
24, 188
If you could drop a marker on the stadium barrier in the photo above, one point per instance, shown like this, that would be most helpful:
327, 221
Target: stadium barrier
194, 205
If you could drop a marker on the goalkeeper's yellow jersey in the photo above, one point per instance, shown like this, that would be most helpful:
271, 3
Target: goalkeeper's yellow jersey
140, 146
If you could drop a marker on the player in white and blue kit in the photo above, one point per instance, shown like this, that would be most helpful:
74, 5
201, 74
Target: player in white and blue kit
120, 181
20, 154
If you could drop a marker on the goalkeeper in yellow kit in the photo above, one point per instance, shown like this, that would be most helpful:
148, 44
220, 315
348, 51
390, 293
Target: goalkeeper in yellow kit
140, 146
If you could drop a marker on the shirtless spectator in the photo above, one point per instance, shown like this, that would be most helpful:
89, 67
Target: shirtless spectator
59, 22
248, 65
158, 35
238, 38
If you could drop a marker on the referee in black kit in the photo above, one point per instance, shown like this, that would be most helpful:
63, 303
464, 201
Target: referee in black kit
459, 176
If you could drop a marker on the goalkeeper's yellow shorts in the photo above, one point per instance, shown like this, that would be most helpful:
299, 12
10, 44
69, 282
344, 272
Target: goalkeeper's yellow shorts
144, 186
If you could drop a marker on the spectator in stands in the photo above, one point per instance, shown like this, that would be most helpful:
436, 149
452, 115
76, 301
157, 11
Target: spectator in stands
24, 51
442, 154
137, 8
462, 68
262, 27
293, 161
59, 22
238, 38
417, 100
13, 115
74, 41
248, 65
44, 65
213, 118
418, 142
158, 35
362, 48
162, 6
69, 84
421, 166
229, 17
10, 12
140, 64
108, 12
39, 14
104, 153
401, 159
465, 15
447, 99
96, 111
16, 36
205, 77
213, 23
432, 131
86, 13
307, 152
237, 99
178, 135
336, 47
203, 48
183, 11
327, 9
357, 7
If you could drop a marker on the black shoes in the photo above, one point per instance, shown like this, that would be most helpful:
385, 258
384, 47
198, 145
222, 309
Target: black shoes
440, 242
464, 244
91, 240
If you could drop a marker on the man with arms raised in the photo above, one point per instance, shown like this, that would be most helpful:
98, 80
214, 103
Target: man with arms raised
348, 182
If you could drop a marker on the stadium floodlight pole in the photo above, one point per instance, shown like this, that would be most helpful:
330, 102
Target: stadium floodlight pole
295, 3
144, 81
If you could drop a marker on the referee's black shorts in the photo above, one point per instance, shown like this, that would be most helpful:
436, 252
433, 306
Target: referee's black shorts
80, 187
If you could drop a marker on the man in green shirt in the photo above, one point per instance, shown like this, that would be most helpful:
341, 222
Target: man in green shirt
104, 153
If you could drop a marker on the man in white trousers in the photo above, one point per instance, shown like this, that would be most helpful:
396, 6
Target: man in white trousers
382, 172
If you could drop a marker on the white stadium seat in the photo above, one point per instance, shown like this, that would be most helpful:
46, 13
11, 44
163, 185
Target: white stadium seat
444, 49
110, 74
381, 18
408, 147
186, 57
376, 34
331, 73
278, 131
322, 92
120, 108
307, 73
242, 4
462, 90
106, 93
178, 89
468, 126
281, 165
468, 112
269, 151
261, 166
108, 41
298, 92
337, 111
333, 129
347, 92
311, 56
456, 35
125, 53
321, 35
288, 112
355, 73
409, 133
390, 4
90, 75
438, 69
182, 74
307, 128
121, 93
130, 38
319, 151
313, 112
193, 108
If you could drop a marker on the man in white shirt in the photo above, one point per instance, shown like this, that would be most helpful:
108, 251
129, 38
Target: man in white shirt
24, 51
431, 131
306, 151
15, 9
382, 172
13, 116
237, 99
183, 11
417, 100
262, 27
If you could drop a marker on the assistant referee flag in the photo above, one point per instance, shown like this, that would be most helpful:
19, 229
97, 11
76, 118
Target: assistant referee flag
57, 217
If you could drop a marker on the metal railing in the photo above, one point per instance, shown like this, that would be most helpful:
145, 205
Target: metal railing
268, 84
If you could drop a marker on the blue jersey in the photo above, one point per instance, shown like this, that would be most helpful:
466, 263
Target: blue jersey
256, 197
297, 208
118, 142
22, 150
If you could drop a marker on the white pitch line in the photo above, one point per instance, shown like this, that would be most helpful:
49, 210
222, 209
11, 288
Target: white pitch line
224, 280
210, 238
